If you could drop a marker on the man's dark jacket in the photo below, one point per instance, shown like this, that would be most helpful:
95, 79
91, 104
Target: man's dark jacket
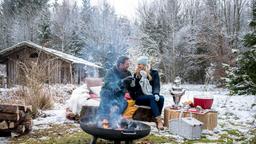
112, 93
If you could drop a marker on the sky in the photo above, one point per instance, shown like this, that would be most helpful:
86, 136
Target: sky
126, 8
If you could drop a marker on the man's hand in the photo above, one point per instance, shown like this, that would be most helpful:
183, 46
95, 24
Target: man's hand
127, 79
157, 97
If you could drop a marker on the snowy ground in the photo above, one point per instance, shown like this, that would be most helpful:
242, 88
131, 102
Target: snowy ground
234, 112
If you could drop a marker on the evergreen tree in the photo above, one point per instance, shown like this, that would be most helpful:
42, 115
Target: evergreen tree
250, 38
158, 27
27, 16
106, 36
66, 28
76, 44
7, 20
44, 31
1, 27
242, 80
21, 20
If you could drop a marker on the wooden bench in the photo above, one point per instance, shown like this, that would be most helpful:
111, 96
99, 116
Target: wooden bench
143, 113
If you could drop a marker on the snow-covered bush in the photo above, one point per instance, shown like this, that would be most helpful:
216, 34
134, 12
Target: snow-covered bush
242, 80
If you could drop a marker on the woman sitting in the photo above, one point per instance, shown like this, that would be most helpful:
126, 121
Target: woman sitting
147, 88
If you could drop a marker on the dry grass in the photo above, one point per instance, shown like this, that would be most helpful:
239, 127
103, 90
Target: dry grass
26, 96
34, 93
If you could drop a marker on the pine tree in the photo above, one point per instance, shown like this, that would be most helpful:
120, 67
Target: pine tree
158, 27
250, 38
76, 44
20, 20
243, 78
44, 31
1, 27
66, 28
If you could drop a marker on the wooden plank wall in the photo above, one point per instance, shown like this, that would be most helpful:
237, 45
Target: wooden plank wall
58, 70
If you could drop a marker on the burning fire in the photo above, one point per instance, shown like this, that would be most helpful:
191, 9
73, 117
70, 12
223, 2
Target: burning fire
105, 123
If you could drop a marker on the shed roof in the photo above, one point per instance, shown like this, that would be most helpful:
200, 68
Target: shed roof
60, 54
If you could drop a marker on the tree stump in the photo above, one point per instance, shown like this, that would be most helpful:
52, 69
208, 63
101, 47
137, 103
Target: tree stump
85, 111
88, 111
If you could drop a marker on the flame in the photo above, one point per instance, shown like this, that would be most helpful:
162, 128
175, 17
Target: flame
105, 123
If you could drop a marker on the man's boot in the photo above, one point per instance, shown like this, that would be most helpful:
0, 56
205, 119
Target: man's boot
159, 123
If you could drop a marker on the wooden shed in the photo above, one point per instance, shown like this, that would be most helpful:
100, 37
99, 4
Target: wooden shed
29, 59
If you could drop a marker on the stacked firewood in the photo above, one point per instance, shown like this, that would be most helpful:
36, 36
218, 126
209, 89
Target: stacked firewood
15, 119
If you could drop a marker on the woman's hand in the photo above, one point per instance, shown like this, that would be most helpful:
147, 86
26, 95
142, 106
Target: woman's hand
143, 73
157, 97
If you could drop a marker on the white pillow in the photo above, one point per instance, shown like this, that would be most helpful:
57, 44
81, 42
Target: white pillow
96, 90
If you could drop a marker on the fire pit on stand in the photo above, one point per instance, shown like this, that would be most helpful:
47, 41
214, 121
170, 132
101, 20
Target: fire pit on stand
128, 130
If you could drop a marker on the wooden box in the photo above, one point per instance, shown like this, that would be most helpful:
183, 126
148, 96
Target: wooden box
209, 118
189, 127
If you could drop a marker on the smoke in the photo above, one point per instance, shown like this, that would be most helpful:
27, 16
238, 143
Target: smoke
111, 108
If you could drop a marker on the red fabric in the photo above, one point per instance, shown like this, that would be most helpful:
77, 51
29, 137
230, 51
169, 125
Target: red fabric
127, 96
94, 96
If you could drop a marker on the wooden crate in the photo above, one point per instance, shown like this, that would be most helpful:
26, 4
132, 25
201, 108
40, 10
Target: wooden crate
209, 118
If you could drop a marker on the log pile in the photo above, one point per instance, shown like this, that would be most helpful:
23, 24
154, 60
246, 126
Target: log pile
15, 119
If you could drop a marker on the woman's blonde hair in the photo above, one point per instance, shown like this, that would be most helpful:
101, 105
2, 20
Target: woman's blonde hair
146, 69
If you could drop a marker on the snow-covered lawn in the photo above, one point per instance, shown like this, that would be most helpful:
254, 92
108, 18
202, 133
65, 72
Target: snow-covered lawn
234, 113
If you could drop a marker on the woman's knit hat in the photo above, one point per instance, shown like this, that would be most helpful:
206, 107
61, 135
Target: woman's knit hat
142, 60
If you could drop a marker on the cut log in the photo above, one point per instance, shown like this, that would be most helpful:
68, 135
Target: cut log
25, 108
10, 117
9, 108
15, 119
22, 107
22, 115
11, 125
27, 122
3, 125
29, 108
20, 129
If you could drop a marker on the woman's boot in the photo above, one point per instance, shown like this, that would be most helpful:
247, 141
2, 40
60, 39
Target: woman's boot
159, 123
